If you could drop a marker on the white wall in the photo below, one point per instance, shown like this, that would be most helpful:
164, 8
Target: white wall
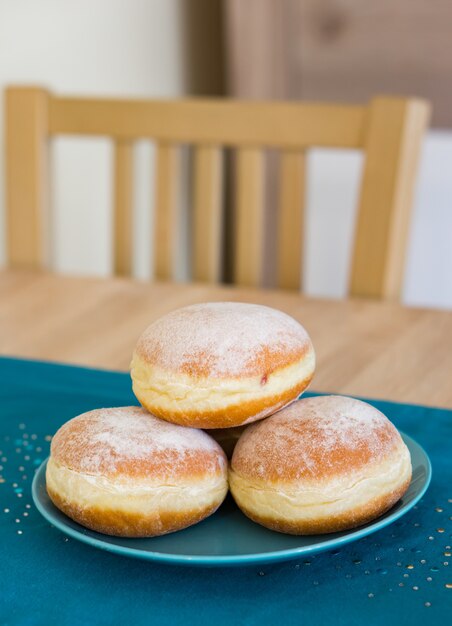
92, 47
428, 279
139, 48
332, 197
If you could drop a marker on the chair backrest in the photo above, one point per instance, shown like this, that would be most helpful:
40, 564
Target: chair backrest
388, 130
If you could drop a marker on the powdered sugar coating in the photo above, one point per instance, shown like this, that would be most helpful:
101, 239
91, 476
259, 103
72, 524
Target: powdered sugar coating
132, 442
316, 438
220, 339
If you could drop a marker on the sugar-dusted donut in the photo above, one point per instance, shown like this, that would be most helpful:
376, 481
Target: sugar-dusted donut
125, 472
323, 464
221, 364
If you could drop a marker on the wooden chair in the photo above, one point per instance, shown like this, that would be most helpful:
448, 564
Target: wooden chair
388, 130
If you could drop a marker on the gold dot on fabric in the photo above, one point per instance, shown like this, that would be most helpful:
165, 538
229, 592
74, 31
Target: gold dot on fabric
448, 554
423, 561
448, 585
28, 506
439, 509
440, 530
401, 585
446, 563
6, 510
25, 514
429, 579
415, 588
20, 532
410, 566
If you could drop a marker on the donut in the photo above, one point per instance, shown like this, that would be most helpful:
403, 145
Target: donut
321, 465
221, 364
124, 472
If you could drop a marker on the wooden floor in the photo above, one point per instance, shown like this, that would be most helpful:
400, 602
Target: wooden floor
363, 348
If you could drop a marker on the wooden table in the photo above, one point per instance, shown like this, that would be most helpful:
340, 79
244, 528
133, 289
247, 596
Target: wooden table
366, 348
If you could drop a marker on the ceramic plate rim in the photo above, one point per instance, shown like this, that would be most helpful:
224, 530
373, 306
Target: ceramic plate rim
235, 560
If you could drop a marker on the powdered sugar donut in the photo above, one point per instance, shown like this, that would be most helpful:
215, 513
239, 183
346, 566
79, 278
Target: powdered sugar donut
323, 464
221, 364
125, 472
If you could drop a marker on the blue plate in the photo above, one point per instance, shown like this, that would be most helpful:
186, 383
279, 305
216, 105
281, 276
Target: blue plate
228, 537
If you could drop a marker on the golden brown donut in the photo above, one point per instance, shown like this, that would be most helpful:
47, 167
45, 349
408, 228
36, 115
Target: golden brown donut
221, 364
323, 464
125, 472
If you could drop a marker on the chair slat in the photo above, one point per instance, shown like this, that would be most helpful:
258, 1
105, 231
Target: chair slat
249, 217
26, 173
291, 219
123, 208
167, 182
392, 144
207, 202
217, 121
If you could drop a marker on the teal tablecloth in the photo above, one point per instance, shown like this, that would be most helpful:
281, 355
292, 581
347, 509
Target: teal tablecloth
403, 574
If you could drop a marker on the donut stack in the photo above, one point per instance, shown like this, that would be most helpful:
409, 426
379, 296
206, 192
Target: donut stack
203, 374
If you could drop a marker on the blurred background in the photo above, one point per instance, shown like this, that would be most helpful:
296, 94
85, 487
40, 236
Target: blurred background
329, 50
